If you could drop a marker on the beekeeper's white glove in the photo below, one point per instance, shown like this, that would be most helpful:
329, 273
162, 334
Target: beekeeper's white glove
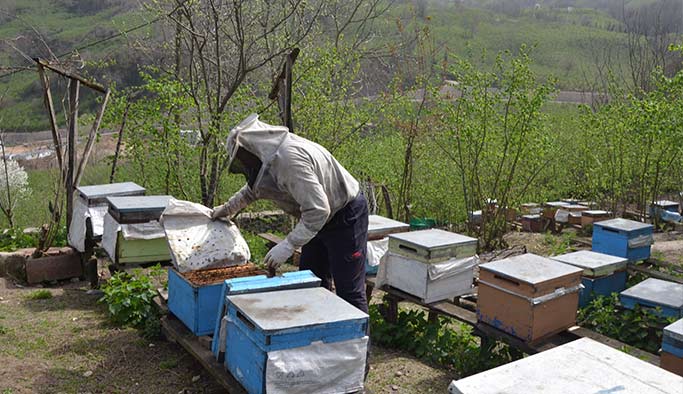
279, 254
221, 211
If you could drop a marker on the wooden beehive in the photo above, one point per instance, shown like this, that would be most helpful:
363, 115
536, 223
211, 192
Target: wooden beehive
655, 293
97, 194
261, 325
528, 296
431, 246
592, 216
379, 227
551, 207
579, 367
602, 274
672, 348
532, 223
624, 238
137, 209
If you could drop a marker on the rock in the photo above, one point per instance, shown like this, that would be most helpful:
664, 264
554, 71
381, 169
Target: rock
151, 345
398, 374
394, 387
95, 292
196, 378
74, 319
87, 374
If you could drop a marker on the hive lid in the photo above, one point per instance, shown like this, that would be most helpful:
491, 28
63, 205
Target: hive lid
433, 238
280, 310
666, 203
381, 225
623, 224
579, 367
530, 268
112, 189
675, 330
593, 263
595, 212
138, 203
556, 204
657, 291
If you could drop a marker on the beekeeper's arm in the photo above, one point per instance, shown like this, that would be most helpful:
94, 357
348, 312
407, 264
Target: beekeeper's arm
236, 203
302, 184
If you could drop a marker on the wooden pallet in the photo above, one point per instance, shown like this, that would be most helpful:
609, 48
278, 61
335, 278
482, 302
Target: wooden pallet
200, 348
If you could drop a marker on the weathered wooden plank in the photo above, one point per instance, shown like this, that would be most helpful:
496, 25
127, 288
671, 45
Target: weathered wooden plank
61, 71
176, 331
654, 274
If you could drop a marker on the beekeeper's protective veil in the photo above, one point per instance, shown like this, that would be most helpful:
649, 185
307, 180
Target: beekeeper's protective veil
300, 176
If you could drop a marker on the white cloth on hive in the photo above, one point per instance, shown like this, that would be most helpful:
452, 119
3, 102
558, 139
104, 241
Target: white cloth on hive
197, 242
81, 213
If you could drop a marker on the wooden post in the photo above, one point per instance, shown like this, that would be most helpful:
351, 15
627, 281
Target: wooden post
49, 105
282, 89
74, 87
91, 140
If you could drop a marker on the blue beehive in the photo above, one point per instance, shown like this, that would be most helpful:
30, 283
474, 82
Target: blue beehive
623, 238
256, 284
263, 326
602, 274
194, 305
655, 293
672, 339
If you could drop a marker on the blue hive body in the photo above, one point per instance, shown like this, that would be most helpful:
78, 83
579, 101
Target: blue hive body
265, 322
256, 284
655, 294
602, 274
672, 340
194, 305
624, 238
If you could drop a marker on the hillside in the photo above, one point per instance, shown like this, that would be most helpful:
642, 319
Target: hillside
569, 40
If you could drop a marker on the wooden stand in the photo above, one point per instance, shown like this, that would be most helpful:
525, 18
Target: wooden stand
199, 347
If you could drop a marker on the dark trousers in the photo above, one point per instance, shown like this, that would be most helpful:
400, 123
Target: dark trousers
338, 253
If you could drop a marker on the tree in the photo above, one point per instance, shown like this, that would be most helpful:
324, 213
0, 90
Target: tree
13, 185
220, 50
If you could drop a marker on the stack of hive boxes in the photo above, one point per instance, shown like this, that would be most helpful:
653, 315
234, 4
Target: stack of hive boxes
132, 233
671, 357
528, 296
602, 274
432, 265
303, 340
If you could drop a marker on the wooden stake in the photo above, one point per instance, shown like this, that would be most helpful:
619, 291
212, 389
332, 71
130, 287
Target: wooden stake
49, 105
74, 87
91, 140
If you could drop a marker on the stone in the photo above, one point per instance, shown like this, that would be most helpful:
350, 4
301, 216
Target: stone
196, 378
87, 374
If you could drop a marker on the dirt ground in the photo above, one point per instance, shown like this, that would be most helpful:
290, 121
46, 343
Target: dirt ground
65, 344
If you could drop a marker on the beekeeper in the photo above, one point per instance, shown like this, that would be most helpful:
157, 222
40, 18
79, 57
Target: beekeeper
306, 181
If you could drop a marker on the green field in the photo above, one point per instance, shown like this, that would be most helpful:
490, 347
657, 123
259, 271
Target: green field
565, 43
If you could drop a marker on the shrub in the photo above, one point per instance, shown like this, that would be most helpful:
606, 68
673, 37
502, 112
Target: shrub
129, 298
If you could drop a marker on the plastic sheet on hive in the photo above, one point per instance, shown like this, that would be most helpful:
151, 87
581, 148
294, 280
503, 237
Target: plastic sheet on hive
197, 242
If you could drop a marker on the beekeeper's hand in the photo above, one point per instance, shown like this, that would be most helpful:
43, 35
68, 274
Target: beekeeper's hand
221, 211
279, 254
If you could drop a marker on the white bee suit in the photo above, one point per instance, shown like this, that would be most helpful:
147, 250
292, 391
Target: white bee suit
300, 176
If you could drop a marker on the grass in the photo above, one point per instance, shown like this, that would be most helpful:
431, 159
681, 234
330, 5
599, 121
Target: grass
39, 295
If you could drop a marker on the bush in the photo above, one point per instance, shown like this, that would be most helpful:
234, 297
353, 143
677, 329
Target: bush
638, 327
129, 298
438, 342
